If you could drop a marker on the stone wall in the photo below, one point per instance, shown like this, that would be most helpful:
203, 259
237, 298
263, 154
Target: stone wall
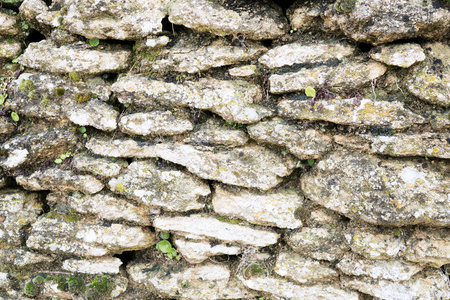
224, 149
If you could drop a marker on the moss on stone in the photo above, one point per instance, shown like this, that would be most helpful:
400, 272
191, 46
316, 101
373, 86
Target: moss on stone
27, 85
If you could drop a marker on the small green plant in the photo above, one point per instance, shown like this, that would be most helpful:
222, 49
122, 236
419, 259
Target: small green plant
31, 290
166, 247
27, 85
62, 157
345, 6
82, 130
164, 235
254, 270
94, 42
235, 125
60, 91
74, 76
15, 116
311, 162
310, 91
83, 97
45, 100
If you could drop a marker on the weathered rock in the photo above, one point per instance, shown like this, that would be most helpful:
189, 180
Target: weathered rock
60, 180
343, 111
165, 187
380, 191
258, 21
9, 49
9, 24
103, 166
95, 113
232, 100
430, 81
3, 180
344, 76
93, 266
440, 120
6, 127
36, 147
78, 57
400, 55
205, 281
5, 282
214, 132
305, 144
78, 238
20, 257
303, 270
125, 20
209, 227
30, 9
154, 42
429, 247
428, 285
121, 148
17, 210
105, 206
153, 123
304, 15
298, 53
275, 208
244, 71
61, 37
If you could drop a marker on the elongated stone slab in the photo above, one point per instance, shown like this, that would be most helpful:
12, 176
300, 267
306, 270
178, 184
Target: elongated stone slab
153, 123
9, 50
103, 166
19, 257
109, 265
9, 24
429, 247
214, 132
401, 55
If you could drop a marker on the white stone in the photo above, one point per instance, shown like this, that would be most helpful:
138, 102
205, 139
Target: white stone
102, 265
197, 251
154, 123
401, 55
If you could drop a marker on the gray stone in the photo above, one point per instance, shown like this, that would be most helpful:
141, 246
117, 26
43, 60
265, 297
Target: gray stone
441, 120
56, 179
343, 111
95, 113
6, 127
103, 265
30, 9
20, 257
5, 282
103, 166
244, 71
211, 228
429, 247
121, 148
400, 55
298, 53
345, 76
9, 24
305, 144
61, 37
153, 123
380, 191
83, 239
78, 57
258, 21
9, 49
275, 208
164, 187
232, 100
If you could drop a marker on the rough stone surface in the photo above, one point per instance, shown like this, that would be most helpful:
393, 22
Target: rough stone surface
103, 166
108, 265
232, 100
275, 208
258, 21
164, 187
429, 247
20, 257
153, 123
6, 127
243, 71
401, 55
343, 111
9, 25
213, 132
9, 50
344, 76
209, 227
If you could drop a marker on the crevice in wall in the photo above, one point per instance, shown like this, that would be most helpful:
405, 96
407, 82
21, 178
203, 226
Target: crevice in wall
126, 257
284, 4
35, 36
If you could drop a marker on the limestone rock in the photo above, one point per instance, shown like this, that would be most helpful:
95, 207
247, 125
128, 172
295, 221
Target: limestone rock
6, 127
9, 49
30, 9
5, 282
214, 132
305, 144
20, 257
95, 113
121, 148
429, 247
82, 239
153, 123
430, 81
105, 206
255, 21
60, 180
440, 120
9, 24
165, 187
17, 210
36, 147
275, 208
101, 265
232, 100
77, 57
304, 15
103, 166
303, 270
380, 191
401, 55
298, 53
243, 71
209, 227
343, 111
154, 42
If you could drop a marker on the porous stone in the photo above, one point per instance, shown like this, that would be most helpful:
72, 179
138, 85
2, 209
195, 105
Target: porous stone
380, 191
109, 265
343, 111
232, 100
154, 42
9, 24
214, 132
255, 21
6, 127
83, 239
298, 53
440, 120
400, 55
344, 76
30, 9
78, 57
153, 123
275, 208
305, 144
303, 270
5, 282
56, 179
17, 210
103, 166
429, 247
9, 49
95, 113
19, 257
244, 71
209, 227
164, 187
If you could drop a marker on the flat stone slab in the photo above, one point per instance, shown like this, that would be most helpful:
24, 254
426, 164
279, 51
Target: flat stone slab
275, 208
380, 191
154, 123
103, 166
400, 55
209, 227
244, 71
232, 100
82, 239
9, 49
343, 111
298, 53
349, 75
78, 57
258, 21
304, 144
164, 187
60, 180
9, 24
429, 247
108, 265
215, 132
19, 257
